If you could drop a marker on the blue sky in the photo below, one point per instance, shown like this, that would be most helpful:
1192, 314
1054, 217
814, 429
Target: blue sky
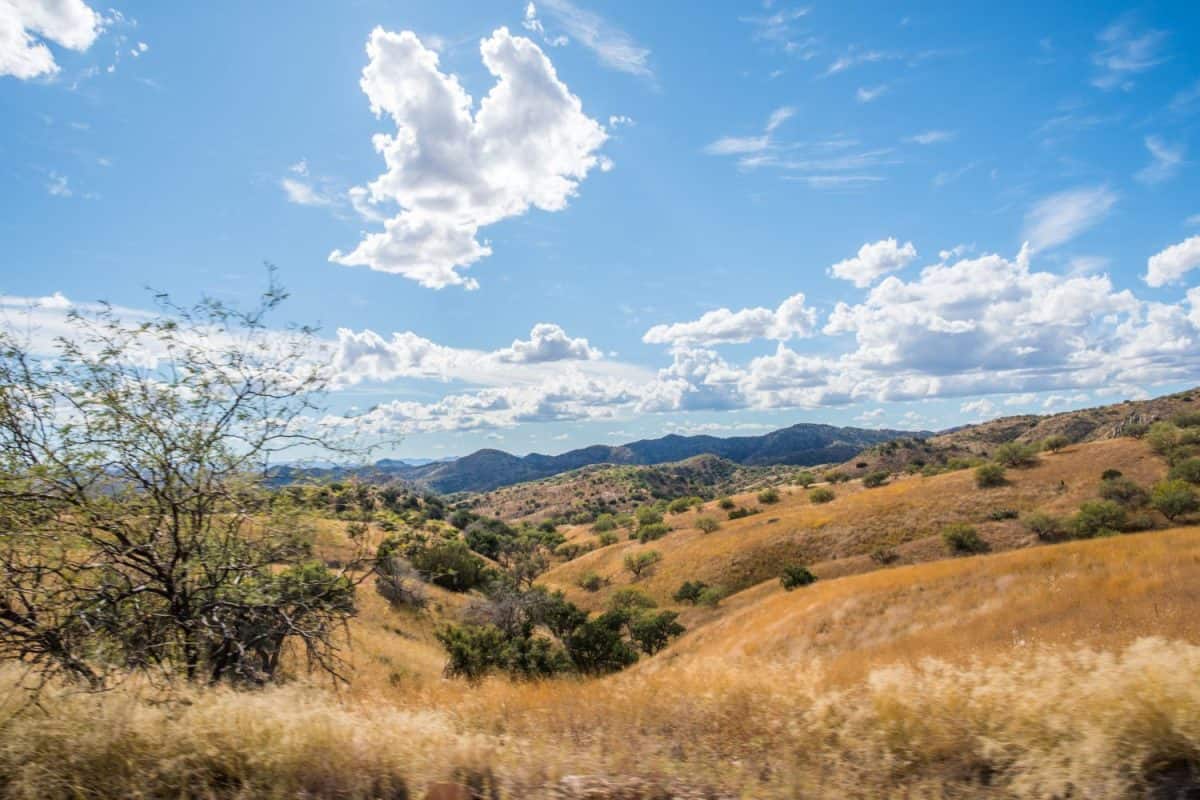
585, 222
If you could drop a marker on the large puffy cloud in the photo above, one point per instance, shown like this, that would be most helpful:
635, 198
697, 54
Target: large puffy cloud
1173, 263
722, 326
874, 261
567, 396
452, 169
366, 356
26, 26
548, 342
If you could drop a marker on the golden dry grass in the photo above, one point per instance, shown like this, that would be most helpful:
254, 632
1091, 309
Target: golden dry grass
837, 538
1021, 674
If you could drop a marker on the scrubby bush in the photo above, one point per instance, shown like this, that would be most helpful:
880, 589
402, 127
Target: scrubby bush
356, 530
711, 597
1189, 419
642, 563
805, 479
1015, 454
875, 479
707, 525
649, 533
1002, 513
796, 575
738, 513
449, 563
1123, 491
1097, 518
590, 582
607, 538
1055, 443
821, 495
1162, 437
1109, 474
962, 539
604, 523
630, 600
682, 504
768, 496
1045, 526
726, 503
1186, 470
652, 632
884, 556
689, 592
1174, 498
988, 476
836, 476
647, 515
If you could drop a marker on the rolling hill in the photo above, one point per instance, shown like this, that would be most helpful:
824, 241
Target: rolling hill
484, 470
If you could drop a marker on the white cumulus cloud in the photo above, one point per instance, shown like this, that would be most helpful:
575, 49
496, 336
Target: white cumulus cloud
453, 168
722, 326
1173, 263
27, 25
874, 261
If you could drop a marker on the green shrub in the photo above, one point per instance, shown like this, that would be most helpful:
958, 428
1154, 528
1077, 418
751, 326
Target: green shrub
821, 495
1046, 527
875, 479
605, 523
1124, 491
1109, 474
689, 592
590, 582
738, 513
598, 646
988, 476
1055, 443
963, 539
726, 503
607, 538
1162, 437
630, 599
711, 597
356, 530
647, 515
649, 533
836, 476
1186, 470
1189, 419
642, 563
1098, 517
1015, 454
1174, 498
707, 525
449, 563
796, 575
1002, 513
805, 479
652, 632
682, 504
768, 496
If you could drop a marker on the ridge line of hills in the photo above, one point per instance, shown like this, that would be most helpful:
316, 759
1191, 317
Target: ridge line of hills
803, 444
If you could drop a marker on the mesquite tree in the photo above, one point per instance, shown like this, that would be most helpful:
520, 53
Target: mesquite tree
135, 532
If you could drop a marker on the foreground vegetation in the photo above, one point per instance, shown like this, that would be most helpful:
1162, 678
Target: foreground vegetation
1019, 623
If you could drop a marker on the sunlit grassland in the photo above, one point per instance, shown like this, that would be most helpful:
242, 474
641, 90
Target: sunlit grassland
837, 538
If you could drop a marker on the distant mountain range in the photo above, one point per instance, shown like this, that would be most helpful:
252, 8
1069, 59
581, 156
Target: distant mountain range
804, 444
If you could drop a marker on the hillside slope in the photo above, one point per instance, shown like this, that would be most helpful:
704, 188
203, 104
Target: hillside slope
977, 441
904, 517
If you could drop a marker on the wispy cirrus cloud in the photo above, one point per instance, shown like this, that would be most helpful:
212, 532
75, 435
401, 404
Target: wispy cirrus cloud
1166, 159
1060, 217
1125, 51
614, 47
